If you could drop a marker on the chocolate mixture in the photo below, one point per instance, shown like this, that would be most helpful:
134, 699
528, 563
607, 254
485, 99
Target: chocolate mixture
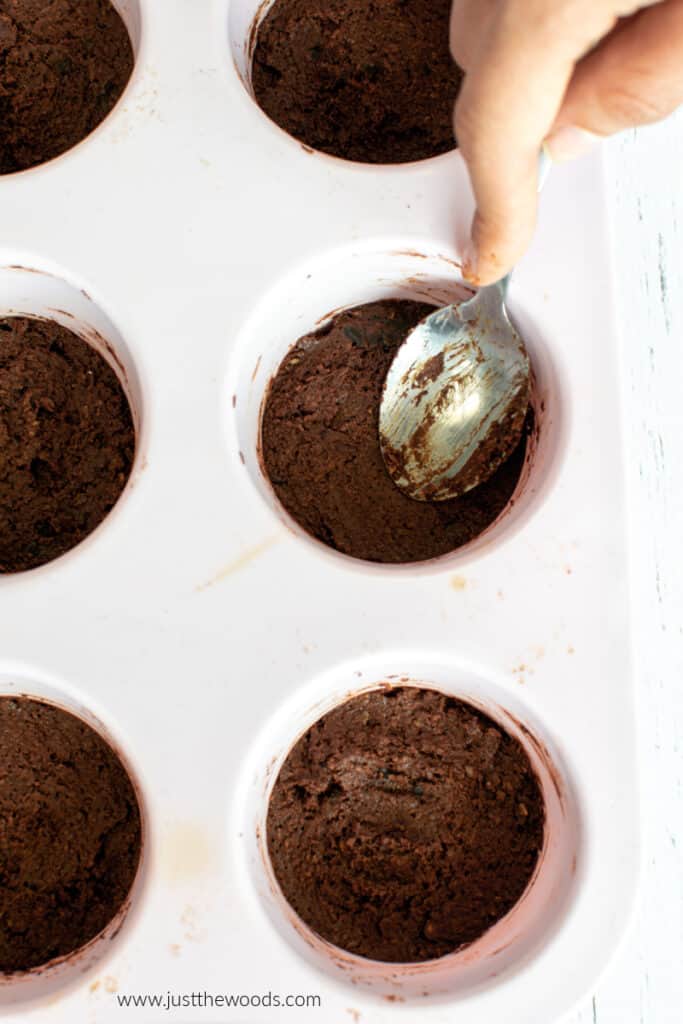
367, 80
70, 833
66, 441
320, 445
63, 66
404, 824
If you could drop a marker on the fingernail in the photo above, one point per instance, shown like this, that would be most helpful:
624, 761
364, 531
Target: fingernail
568, 142
470, 261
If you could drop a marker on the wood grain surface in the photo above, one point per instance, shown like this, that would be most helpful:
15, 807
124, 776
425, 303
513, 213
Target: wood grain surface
645, 177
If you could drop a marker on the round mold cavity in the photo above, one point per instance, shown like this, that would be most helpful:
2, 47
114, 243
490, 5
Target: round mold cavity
33, 292
309, 297
243, 20
44, 983
131, 12
507, 947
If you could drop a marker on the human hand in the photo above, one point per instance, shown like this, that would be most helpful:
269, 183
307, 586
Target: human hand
559, 72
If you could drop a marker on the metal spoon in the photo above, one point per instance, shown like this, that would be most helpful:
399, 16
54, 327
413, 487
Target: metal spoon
456, 396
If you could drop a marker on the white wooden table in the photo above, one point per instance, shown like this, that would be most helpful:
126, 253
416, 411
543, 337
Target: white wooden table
645, 172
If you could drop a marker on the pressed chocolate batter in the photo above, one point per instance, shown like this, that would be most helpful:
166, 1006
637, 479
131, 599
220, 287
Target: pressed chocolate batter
320, 445
66, 441
367, 80
70, 833
404, 824
63, 66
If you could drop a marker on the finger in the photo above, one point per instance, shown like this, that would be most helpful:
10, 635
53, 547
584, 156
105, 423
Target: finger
470, 21
507, 105
633, 78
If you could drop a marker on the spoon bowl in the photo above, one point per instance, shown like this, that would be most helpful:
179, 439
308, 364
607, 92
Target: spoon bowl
455, 398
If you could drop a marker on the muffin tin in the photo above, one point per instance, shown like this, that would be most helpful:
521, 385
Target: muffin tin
192, 241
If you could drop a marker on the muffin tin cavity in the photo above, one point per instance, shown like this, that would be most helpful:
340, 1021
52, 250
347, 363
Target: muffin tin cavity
314, 447
320, 445
430, 813
71, 841
63, 67
404, 824
363, 80
67, 427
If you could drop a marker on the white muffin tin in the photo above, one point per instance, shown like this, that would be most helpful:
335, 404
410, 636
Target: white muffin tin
193, 242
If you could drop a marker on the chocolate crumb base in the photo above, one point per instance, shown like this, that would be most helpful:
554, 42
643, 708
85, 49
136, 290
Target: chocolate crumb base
404, 824
67, 441
321, 451
367, 80
70, 834
63, 66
